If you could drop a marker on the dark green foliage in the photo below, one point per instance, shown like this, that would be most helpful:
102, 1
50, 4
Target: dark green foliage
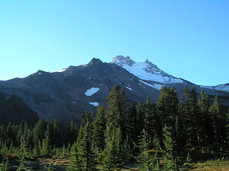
116, 127
39, 135
218, 123
22, 152
84, 155
99, 130
71, 132
147, 161
4, 165
168, 106
227, 128
205, 129
134, 131
194, 127
115, 116
113, 150
13, 109
169, 153
75, 164
124, 130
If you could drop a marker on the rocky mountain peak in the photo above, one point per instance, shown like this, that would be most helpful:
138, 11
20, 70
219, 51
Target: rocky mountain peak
94, 61
121, 60
145, 70
40, 72
151, 66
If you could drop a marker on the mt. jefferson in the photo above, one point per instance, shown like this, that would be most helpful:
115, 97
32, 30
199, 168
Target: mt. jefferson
68, 93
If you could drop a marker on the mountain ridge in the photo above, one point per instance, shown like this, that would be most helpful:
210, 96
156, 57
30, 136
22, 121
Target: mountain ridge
145, 70
158, 74
76, 89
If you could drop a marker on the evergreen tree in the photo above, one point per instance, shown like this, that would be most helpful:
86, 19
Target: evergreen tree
218, 122
39, 132
185, 117
168, 105
139, 121
4, 165
204, 121
46, 147
151, 123
135, 125
194, 136
23, 153
72, 130
116, 122
113, 151
227, 127
22, 131
99, 130
168, 110
54, 134
115, 116
147, 162
127, 151
84, 153
148, 122
169, 154
75, 163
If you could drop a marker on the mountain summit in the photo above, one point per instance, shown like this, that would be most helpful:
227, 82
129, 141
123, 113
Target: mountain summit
145, 70
67, 93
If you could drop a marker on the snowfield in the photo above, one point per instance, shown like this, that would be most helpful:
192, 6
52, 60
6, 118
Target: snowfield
59, 71
129, 88
91, 91
156, 86
139, 70
221, 87
94, 103
145, 70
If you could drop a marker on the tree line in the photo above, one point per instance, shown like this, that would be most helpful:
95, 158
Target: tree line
158, 136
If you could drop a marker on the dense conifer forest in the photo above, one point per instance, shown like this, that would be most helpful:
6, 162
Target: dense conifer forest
168, 135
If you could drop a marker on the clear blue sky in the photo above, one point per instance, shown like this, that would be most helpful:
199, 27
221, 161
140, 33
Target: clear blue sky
186, 38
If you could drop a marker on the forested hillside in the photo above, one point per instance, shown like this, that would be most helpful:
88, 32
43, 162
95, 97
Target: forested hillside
165, 135
13, 109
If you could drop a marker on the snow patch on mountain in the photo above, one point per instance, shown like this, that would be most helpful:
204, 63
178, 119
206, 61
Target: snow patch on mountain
94, 104
156, 86
222, 87
62, 70
145, 70
209, 87
91, 91
129, 88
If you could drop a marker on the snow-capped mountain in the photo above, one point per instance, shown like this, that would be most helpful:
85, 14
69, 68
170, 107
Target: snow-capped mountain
146, 70
150, 75
67, 93
70, 92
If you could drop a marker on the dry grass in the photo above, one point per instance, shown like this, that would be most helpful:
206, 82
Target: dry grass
214, 165
63, 162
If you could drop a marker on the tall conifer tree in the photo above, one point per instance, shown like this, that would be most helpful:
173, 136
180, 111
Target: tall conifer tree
99, 130
204, 120
116, 122
84, 155
218, 122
